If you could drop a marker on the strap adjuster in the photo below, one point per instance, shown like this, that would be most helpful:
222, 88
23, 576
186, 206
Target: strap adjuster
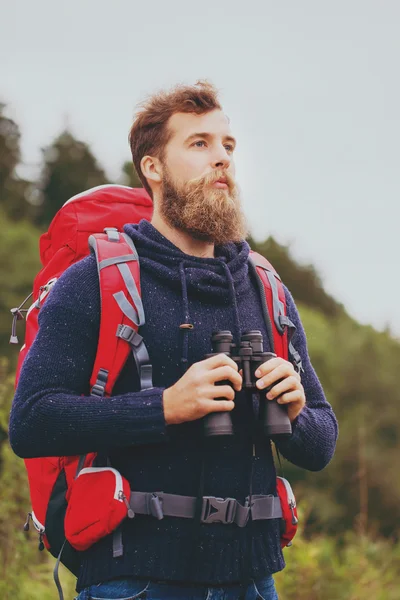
154, 505
97, 390
99, 387
129, 335
218, 510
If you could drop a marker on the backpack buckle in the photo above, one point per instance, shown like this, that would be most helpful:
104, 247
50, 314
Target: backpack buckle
154, 505
218, 510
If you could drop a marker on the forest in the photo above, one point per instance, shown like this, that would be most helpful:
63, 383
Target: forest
348, 546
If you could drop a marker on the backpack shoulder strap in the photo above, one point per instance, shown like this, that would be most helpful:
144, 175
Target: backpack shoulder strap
280, 327
121, 312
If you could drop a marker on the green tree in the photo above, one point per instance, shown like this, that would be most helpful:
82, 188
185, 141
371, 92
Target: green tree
130, 176
302, 280
14, 191
69, 168
19, 263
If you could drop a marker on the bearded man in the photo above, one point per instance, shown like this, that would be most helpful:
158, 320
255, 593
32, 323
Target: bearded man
194, 280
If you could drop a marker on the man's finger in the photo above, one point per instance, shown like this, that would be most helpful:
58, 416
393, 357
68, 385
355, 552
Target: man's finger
269, 366
294, 396
282, 371
219, 360
225, 373
218, 406
288, 384
221, 391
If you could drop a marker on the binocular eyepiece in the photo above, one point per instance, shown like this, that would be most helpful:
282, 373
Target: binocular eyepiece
249, 356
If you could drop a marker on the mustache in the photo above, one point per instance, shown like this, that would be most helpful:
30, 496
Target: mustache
212, 177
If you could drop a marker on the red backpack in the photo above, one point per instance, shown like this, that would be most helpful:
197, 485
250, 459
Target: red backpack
106, 209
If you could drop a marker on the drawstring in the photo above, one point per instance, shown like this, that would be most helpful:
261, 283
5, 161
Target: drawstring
186, 325
238, 330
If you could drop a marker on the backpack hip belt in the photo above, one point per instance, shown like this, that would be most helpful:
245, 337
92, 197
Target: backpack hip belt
213, 509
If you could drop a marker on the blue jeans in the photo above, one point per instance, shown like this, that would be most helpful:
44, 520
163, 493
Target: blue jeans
131, 589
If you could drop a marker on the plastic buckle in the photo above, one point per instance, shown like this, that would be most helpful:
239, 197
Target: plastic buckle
112, 234
154, 506
129, 335
97, 390
218, 510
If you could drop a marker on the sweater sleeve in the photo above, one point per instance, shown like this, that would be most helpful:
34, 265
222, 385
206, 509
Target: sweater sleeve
315, 430
52, 412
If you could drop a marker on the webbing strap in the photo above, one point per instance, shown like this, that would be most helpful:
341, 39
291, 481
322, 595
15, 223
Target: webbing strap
214, 510
276, 303
112, 234
140, 354
127, 308
261, 264
296, 358
55, 573
99, 387
282, 322
118, 547
108, 262
291, 329
133, 291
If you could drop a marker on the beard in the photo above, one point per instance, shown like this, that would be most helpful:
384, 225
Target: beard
204, 212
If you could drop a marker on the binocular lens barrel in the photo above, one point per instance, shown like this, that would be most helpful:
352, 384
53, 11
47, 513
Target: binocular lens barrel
273, 416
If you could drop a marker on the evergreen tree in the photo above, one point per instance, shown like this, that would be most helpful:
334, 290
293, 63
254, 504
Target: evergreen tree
69, 168
14, 191
130, 176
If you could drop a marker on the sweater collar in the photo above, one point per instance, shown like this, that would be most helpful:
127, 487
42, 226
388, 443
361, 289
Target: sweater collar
213, 277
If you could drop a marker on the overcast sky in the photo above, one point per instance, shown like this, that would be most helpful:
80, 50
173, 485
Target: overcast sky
311, 88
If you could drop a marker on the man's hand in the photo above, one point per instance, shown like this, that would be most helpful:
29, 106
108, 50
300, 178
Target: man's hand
193, 395
289, 391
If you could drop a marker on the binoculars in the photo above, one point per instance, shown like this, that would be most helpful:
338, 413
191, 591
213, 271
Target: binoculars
249, 356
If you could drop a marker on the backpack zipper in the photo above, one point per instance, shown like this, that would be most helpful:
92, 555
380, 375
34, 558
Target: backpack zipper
38, 526
291, 499
117, 474
119, 488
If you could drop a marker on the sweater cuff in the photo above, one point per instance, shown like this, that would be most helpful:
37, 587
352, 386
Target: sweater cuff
150, 422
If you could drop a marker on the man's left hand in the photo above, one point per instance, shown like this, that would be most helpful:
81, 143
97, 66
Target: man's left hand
289, 391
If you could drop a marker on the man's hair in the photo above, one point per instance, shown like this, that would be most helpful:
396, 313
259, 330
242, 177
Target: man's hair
149, 133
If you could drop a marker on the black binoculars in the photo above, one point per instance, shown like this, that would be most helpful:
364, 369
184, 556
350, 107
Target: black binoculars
249, 356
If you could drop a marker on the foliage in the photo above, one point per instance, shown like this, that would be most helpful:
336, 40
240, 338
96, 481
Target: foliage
24, 571
358, 369
130, 176
302, 280
14, 191
69, 168
19, 263
9, 146
353, 568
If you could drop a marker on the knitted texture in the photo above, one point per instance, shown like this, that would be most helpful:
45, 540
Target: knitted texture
52, 414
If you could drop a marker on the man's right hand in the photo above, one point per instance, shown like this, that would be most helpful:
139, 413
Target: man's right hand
194, 395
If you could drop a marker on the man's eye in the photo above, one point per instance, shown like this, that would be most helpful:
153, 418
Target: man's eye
199, 143
229, 147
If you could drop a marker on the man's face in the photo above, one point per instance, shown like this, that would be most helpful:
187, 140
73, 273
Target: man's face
199, 193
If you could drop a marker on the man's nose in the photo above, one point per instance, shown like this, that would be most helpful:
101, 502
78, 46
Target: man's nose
222, 159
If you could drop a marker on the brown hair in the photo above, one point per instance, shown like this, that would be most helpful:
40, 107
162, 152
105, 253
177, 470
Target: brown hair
149, 133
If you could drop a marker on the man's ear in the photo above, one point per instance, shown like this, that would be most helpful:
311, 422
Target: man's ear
151, 169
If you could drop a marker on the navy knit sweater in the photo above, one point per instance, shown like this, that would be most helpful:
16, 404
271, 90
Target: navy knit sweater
50, 417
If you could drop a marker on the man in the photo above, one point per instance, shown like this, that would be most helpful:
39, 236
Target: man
195, 280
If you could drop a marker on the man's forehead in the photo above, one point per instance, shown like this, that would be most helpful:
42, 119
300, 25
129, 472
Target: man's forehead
215, 122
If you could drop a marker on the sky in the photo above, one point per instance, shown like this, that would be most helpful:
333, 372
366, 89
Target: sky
311, 87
